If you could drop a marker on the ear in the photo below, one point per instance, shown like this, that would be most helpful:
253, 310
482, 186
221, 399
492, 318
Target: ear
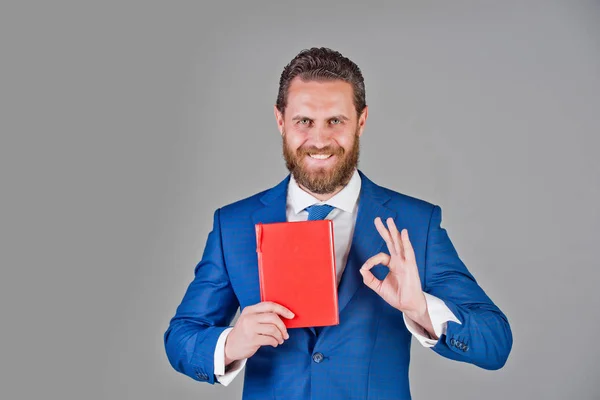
278, 119
362, 120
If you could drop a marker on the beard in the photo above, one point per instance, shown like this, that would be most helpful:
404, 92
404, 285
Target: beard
322, 180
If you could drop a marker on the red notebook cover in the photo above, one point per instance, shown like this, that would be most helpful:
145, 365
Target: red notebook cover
296, 266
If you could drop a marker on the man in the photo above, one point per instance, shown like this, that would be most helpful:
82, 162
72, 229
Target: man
390, 286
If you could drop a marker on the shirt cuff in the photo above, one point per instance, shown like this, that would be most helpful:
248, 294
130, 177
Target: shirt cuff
439, 314
233, 369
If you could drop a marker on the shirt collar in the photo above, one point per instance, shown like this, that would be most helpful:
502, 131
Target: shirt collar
345, 199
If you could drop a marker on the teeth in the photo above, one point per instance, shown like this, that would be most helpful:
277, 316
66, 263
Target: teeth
320, 156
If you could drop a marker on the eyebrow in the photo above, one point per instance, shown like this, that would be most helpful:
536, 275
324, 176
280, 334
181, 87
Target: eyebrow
340, 117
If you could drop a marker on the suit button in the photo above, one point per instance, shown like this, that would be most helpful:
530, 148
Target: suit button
453, 342
465, 348
317, 357
201, 376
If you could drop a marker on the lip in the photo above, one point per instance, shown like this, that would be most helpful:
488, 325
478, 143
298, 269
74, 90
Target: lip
320, 163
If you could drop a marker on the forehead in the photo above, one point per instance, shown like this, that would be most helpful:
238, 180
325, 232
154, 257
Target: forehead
335, 96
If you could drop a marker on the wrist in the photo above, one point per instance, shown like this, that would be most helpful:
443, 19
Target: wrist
418, 317
228, 358
420, 313
421, 316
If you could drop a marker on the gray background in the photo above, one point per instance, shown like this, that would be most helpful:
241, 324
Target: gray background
125, 124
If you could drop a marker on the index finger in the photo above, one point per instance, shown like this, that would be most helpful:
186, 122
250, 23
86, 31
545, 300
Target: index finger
273, 319
385, 234
396, 237
269, 306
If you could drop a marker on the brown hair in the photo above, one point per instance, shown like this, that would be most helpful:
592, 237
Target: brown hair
322, 64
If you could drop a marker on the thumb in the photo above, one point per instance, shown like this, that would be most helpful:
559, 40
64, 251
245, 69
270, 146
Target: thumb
370, 280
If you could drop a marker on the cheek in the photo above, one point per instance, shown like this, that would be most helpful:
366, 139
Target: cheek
296, 136
294, 140
345, 139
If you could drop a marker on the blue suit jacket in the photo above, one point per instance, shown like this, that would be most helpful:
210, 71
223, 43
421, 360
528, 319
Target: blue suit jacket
367, 355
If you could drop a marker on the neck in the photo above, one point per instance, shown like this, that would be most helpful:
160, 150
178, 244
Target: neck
322, 196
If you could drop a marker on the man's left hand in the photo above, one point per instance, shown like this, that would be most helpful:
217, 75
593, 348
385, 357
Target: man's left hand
401, 288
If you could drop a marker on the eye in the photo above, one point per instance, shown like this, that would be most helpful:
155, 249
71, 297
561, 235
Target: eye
304, 121
335, 121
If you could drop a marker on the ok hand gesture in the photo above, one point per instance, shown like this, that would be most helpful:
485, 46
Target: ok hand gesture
401, 288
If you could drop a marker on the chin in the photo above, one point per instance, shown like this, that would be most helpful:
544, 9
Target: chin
319, 173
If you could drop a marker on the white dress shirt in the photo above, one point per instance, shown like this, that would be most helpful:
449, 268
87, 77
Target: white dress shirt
344, 218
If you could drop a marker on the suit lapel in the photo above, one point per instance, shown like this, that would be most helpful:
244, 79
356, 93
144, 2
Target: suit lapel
274, 201
272, 210
366, 241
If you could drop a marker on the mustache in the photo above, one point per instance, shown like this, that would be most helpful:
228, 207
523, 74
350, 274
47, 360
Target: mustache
338, 151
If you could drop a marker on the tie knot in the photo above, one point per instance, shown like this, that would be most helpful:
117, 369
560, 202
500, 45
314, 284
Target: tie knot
317, 212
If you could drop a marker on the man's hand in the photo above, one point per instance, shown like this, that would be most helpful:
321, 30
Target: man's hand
258, 325
401, 288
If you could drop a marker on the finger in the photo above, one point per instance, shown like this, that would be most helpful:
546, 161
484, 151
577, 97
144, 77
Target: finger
396, 236
409, 252
370, 280
269, 306
386, 236
271, 318
380, 258
265, 340
269, 330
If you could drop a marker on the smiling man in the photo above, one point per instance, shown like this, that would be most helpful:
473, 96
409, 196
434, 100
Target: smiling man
390, 287
321, 146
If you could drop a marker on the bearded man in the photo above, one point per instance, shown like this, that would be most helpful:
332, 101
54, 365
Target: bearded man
391, 287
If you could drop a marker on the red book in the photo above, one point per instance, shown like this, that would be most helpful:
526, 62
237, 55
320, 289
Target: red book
296, 266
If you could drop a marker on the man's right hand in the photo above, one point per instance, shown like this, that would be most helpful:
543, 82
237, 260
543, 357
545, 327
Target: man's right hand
258, 325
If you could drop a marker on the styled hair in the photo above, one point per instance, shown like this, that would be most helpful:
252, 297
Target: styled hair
322, 64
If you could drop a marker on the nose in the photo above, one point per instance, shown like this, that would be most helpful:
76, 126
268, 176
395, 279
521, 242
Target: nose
320, 137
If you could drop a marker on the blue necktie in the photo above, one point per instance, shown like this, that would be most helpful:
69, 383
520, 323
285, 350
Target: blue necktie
317, 212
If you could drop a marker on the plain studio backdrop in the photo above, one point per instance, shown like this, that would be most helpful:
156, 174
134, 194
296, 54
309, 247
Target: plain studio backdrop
125, 124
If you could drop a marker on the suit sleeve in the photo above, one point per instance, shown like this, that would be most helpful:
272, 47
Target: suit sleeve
483, 337
206, 310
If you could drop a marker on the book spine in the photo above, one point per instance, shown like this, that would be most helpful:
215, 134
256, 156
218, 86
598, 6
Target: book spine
332, 250
258, 228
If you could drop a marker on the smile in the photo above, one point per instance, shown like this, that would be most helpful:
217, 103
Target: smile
320, 156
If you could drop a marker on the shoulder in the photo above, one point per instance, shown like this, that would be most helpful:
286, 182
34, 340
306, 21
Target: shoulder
247, 205
415, 204
401, 202
244, 205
